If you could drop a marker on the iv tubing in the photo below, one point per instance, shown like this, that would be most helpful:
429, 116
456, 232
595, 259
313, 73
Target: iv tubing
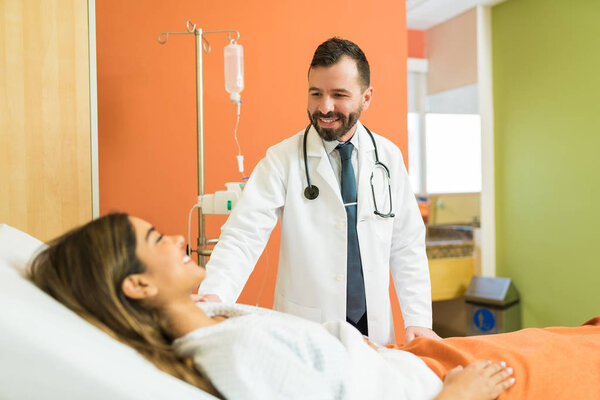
237, 122
188, 249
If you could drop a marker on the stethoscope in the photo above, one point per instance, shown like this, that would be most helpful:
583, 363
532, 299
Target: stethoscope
312, 192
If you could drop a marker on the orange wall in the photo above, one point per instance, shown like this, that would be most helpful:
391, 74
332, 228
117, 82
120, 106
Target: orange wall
416, 43
146, 97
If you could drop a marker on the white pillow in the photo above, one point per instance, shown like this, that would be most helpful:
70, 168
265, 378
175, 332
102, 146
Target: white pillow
48, 352
16, 247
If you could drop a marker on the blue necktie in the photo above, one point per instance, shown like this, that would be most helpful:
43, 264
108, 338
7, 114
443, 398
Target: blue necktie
355, 296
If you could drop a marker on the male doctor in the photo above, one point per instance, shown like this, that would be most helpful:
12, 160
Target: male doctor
342, 233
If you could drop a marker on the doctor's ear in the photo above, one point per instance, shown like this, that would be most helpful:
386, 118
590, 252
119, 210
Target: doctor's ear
367, 97
138, 287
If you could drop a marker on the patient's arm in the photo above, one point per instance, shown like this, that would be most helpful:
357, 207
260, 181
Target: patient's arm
481, 380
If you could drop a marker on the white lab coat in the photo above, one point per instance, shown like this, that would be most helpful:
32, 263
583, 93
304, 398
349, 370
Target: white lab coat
311, 279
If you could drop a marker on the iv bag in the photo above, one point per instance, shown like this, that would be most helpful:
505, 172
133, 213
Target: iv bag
234, 70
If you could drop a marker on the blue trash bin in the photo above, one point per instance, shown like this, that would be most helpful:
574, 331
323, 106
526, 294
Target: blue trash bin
493, 306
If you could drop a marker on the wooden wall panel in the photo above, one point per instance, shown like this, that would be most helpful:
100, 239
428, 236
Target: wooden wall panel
45, 162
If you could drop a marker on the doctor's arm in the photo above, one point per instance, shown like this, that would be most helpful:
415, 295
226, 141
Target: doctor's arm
413, 332
245, 234
408, 260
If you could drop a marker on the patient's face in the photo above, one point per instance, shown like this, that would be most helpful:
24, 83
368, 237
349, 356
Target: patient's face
167, 266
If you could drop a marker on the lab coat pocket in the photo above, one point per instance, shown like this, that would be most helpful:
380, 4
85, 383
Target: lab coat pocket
311, 313
383, 229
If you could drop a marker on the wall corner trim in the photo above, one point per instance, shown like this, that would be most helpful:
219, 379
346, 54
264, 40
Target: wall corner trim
486, 107
93, 108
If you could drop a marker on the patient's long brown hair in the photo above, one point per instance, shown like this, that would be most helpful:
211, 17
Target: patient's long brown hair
84, 270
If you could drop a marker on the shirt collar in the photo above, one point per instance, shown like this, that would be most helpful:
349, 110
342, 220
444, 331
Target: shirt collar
330, 146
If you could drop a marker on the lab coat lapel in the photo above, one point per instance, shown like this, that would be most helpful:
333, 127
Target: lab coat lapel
366, 161
315, 148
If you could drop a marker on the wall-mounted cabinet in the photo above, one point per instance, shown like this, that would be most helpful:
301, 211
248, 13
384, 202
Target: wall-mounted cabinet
45, 116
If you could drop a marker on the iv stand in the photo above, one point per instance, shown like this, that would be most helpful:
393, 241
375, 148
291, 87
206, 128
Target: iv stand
201, 45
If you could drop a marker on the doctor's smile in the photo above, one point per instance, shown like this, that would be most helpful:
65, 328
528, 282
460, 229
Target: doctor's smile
328, 120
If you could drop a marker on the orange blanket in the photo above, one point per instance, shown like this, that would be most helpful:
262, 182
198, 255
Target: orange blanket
550, 363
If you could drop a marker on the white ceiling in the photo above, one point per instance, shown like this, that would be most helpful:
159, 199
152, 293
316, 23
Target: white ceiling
423, 14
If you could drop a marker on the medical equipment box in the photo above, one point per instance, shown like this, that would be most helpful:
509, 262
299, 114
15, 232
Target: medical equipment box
493, 306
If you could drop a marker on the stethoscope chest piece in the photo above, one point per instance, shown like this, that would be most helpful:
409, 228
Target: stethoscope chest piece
311, 192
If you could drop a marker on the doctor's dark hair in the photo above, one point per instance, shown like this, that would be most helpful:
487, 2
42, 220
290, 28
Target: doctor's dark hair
84, 270
332, 50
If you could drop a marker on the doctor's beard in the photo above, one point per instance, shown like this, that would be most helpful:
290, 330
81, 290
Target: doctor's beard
330, 134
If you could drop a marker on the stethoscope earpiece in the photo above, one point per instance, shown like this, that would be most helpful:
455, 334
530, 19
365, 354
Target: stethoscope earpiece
311, 192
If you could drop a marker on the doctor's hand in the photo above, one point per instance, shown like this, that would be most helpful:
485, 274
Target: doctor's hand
206, 298
413, 332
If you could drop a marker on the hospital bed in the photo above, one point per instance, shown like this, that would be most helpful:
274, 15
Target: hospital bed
48, 352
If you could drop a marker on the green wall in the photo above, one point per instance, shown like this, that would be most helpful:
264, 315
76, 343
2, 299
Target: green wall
546, 71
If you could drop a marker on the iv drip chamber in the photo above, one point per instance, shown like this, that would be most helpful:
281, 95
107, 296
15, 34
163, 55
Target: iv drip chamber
234, 71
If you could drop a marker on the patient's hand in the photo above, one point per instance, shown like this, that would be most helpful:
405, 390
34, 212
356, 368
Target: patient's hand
206, 298
481, 380
413, 332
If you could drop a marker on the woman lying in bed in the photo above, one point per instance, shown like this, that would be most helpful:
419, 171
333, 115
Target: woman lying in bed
122, 275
